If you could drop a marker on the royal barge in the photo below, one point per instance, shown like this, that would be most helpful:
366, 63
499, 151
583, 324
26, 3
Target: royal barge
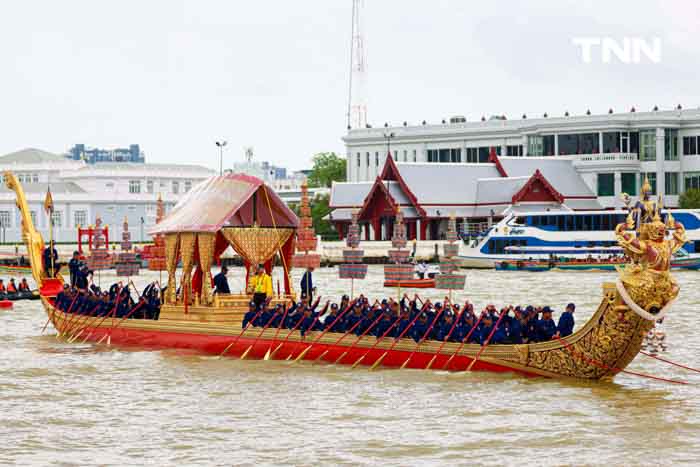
242, 212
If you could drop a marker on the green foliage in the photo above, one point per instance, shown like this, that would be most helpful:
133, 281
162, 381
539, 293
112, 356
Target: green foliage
328, 167
690, 199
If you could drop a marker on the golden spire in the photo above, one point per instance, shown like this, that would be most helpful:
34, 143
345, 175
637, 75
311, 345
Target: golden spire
646, 186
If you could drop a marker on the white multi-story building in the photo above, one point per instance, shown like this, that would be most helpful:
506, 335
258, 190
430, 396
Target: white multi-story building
82, 192
612, 152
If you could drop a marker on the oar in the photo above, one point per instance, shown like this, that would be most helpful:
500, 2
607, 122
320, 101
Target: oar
269, 321
360, 337
68, 321
339, 340
337, 318
250, 323
447, 337
422, 339
396, 341
82, 321
250, 347
114, 326
279, 328
113, 310
376, 342
488, 339
311, 327
464, 341
53, 310
286, 337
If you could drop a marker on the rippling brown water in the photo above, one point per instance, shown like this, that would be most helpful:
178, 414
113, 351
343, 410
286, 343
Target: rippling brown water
73, 404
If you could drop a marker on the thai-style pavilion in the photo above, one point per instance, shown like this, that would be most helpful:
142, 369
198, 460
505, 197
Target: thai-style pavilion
428, 193
234, 210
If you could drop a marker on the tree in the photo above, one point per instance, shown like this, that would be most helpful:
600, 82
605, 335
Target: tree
690, 199
328, 167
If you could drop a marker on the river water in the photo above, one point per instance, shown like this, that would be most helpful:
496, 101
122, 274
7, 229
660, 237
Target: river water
72, 404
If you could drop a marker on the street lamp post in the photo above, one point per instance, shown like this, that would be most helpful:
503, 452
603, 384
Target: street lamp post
388, 137
221, 145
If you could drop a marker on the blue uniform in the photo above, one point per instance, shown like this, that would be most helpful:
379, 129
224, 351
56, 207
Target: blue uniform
221, 284
248, 317
307, 284
545, 329
566, 324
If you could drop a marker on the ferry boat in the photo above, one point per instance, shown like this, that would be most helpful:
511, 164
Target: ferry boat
241, 211
576, 235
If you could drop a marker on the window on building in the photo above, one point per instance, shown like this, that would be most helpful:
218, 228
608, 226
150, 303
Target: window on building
583, 143
188, 185
134, 186
611, 142
20, 178
432, 155
473, 155
540, 145
79, 218
109, 185
629, 183
367, 157
415, 156
32, 214
691, 181
647, 149
35, 178
652, 180
671, 183
176, 187
671, 145
149, 186
514, 151
606, 185
57, 219
691, 145
376, 159
405, 155
6, 219
358, 159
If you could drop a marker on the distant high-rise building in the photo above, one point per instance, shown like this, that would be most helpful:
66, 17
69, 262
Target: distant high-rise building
80, 152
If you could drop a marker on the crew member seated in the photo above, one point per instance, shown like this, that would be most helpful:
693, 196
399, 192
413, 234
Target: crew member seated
11, 287
546, 328
24, 286
221, 283
2, 287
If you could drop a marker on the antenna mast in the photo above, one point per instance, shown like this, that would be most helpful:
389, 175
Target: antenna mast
357, 99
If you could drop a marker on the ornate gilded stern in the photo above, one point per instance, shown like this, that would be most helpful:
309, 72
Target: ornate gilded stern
32, 238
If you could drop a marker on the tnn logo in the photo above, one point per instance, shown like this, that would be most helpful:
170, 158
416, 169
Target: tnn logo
629, 50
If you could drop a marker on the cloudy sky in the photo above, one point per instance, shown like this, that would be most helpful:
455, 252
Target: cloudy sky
175, 76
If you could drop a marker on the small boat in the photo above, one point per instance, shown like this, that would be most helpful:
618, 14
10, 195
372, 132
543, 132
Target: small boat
20, 295
255, 221
679, 261
16, 270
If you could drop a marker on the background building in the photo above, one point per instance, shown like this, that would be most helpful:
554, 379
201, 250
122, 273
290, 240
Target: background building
95, 155
611, 152
82, 191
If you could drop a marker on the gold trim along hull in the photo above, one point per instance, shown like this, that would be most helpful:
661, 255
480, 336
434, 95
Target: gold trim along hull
604, 346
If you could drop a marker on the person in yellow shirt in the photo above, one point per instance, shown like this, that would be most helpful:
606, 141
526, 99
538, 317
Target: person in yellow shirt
261, 285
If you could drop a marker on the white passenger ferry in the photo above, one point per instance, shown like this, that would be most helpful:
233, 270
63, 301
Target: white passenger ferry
573, 234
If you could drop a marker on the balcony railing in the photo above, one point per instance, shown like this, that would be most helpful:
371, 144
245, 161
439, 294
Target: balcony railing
606, 157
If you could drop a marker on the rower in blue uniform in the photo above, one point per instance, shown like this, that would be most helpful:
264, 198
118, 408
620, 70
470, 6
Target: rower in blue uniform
566, 321
546, 328
250, 315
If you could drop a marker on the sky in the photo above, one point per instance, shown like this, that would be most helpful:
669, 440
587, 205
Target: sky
176, 76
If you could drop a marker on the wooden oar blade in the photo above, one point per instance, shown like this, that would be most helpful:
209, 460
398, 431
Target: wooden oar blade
245, 354
341, 357
302, 354
378, 362
354, 365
